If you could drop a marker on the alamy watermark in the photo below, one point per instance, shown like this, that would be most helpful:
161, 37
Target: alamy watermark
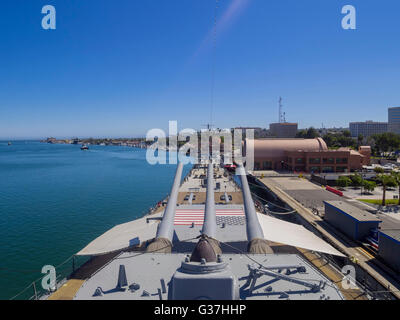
348, 21
223, 146
49, 20
49, 280
349, 278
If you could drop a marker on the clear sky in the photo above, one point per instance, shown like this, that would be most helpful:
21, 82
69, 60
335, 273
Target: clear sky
120, 68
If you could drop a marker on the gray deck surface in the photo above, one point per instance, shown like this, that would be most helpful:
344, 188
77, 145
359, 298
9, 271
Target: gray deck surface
147, 270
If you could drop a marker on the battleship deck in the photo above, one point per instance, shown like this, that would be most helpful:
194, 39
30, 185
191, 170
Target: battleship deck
151, 270
231, 225
186, 214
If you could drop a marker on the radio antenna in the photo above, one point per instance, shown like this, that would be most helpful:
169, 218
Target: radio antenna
214, 49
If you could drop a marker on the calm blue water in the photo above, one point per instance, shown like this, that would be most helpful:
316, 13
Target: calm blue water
55, 199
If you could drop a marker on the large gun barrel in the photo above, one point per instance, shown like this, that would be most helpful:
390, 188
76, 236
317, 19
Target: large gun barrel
165, 233
208, 246
255, 235
210, 217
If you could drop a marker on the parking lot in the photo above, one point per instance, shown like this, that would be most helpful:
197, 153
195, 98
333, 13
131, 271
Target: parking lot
350, 192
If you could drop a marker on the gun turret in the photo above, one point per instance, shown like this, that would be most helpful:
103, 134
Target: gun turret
255, 236
208, 247
165, 233
210, 217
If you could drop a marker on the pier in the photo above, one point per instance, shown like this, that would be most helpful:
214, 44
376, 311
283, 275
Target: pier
310, 196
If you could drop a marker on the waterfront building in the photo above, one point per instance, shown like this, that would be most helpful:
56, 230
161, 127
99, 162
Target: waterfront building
306, 155
367, 128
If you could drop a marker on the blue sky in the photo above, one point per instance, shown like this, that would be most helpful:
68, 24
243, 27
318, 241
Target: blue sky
120, 68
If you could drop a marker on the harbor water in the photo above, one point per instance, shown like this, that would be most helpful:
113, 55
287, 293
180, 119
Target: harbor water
56, 198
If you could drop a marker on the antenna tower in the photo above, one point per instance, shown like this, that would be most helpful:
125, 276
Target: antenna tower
280, 110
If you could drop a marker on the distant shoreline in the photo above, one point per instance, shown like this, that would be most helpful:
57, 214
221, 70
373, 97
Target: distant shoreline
121, 142
134, 142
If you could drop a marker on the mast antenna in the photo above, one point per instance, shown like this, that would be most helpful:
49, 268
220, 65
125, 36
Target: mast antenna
280, 110
213, 61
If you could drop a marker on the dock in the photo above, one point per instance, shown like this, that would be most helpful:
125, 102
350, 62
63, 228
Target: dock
302, 189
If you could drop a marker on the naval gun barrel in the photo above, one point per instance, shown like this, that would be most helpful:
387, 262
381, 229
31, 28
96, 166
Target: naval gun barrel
255, 235
208, 246
210, 217
165, 232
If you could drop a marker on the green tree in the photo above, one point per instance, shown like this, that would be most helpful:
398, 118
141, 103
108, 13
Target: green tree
386, 142
379, 170
356, 180
369, 185
301, 133
346, 141
343, 181
346, 133
331, 140
341, 139
310, 133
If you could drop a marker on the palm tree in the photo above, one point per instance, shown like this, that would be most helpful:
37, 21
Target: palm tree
396, 177
386, 180
360, 139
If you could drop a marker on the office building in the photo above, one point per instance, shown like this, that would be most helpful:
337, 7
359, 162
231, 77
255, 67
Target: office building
394, 120
367, 128
283, 130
